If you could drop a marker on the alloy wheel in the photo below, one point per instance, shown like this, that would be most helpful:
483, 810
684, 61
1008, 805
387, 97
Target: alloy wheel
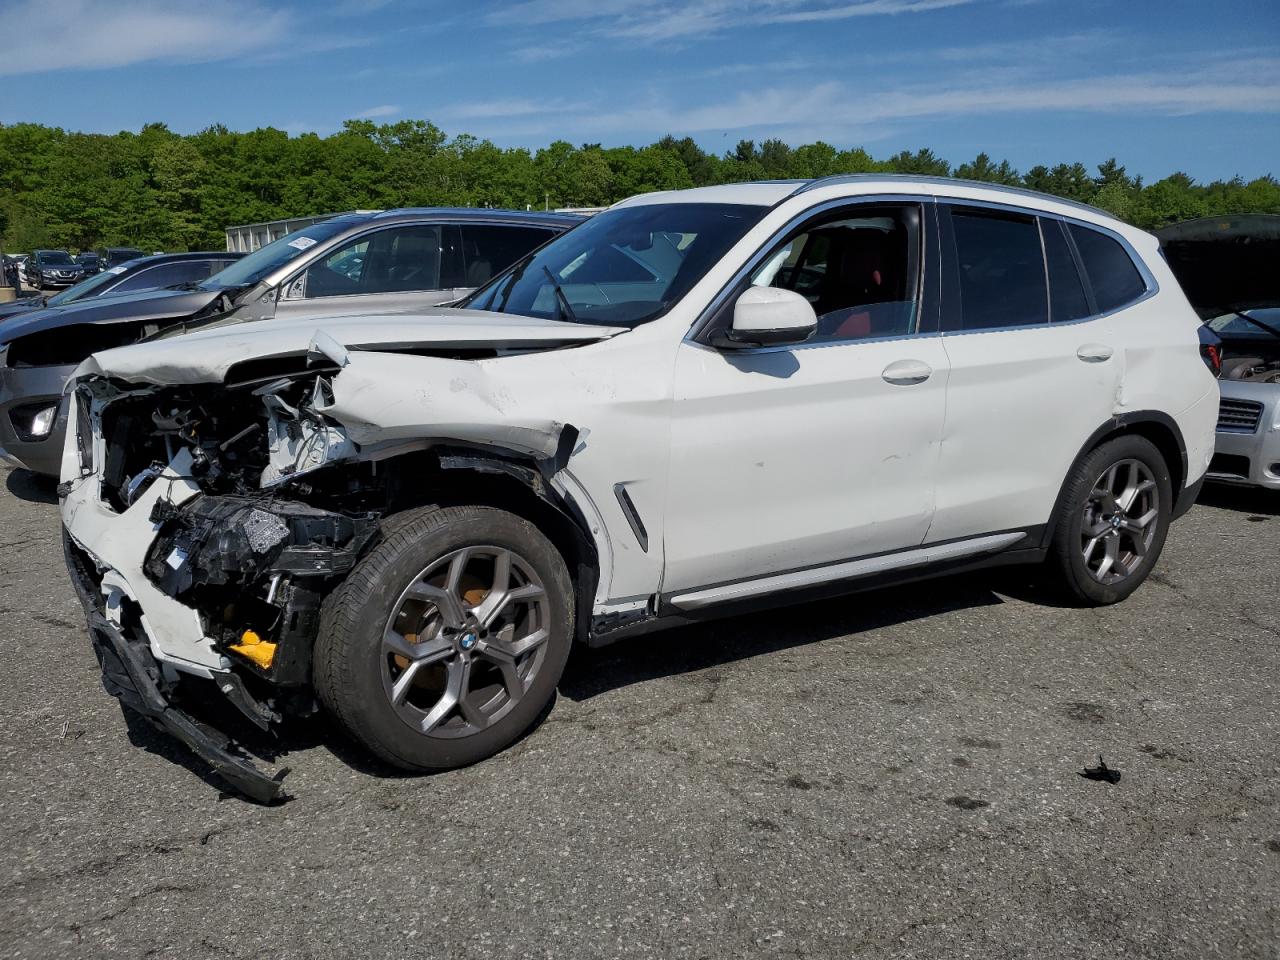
465, 641
1119, 522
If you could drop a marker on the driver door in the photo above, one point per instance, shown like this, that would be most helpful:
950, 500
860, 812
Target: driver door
800, 456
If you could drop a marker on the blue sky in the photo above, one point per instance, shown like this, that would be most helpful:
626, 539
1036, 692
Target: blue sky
1163, 86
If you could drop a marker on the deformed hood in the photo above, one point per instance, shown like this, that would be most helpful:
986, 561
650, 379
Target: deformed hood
208, 356
1225, 264
144, 306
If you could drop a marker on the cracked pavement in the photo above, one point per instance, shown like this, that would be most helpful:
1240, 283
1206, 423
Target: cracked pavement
885, 775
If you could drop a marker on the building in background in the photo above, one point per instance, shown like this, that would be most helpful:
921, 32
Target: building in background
248, 237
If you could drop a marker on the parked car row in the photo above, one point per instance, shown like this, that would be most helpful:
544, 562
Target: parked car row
398, 260
398, 464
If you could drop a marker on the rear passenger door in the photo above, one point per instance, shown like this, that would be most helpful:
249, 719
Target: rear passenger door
1036, 368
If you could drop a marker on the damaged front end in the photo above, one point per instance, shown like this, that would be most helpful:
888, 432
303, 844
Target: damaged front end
202, 544
206, 522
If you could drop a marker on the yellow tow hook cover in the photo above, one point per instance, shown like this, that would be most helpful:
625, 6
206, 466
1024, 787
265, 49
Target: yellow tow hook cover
253, 647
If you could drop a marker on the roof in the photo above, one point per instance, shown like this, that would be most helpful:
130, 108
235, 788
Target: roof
773, 192
187, 255
482, 214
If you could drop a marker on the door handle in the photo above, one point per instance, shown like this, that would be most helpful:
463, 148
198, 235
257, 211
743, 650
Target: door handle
906, 372
1094, 352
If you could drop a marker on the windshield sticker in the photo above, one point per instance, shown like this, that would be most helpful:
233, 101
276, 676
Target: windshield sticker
116, 270
302, 243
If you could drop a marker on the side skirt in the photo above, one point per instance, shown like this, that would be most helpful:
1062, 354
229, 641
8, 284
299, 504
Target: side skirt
1010, 548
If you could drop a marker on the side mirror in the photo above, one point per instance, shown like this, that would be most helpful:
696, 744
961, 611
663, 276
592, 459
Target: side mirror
769, 316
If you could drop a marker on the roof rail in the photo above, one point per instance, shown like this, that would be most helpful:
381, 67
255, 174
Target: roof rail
839, 178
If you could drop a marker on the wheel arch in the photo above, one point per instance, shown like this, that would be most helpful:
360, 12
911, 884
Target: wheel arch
511, 481
1153, 425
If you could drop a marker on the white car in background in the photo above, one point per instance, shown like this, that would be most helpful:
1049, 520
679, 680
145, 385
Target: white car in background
693, 404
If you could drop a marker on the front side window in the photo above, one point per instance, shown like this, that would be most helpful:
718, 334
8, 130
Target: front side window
623, 267
397, 260
1115, 280
490, 248
1001, 271
858, 268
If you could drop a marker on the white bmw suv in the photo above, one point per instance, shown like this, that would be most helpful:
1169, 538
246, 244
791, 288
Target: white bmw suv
692, 404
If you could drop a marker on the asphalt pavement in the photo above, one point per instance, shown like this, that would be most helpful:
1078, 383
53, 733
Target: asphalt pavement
886, 775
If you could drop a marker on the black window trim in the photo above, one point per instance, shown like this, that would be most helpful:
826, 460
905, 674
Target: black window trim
927, 290
948, 314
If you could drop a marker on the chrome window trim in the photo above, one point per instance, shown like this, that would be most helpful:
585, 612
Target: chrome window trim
1148, 279
713, 307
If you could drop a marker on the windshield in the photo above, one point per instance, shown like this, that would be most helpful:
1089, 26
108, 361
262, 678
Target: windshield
264, 260
56, 256
622, 267
1235, 324
86, 288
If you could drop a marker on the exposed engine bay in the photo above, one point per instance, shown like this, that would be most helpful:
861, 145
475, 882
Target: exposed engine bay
1251, 362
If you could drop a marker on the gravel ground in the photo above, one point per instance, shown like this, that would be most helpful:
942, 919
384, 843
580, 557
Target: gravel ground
889, 775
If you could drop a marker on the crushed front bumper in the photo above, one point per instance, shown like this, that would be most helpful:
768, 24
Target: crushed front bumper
137, 680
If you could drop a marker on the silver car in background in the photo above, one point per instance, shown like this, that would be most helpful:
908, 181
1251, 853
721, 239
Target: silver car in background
389, 262
1227, 268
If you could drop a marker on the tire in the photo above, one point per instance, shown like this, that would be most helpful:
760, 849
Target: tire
420, 620
1093, 524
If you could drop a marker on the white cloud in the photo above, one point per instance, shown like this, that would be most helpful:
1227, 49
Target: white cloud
671, 19
498, 109
840, 112
385, 110
100, 34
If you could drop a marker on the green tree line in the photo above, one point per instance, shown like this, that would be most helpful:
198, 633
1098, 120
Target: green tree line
160, 190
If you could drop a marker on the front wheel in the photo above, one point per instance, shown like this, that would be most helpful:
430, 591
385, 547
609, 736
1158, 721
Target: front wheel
447, 641
1113, 520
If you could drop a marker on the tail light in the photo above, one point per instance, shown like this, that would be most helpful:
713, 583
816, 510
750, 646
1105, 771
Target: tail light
1212, 357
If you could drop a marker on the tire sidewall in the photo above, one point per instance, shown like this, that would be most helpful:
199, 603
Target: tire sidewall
399, 560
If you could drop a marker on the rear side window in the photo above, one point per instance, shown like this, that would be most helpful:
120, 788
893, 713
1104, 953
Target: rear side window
488, 249
1114, 278
1067, 300
1001, 271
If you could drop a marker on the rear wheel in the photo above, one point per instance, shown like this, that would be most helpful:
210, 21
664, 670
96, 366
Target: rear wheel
447, 641
1113, 520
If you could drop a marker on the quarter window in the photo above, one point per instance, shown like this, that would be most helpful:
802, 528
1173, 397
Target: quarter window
858, 268
1067, 300
1114, 278
1001, 271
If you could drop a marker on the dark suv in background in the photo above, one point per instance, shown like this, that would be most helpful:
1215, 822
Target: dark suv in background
53, 268
91, 262
396, 261
146, 273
